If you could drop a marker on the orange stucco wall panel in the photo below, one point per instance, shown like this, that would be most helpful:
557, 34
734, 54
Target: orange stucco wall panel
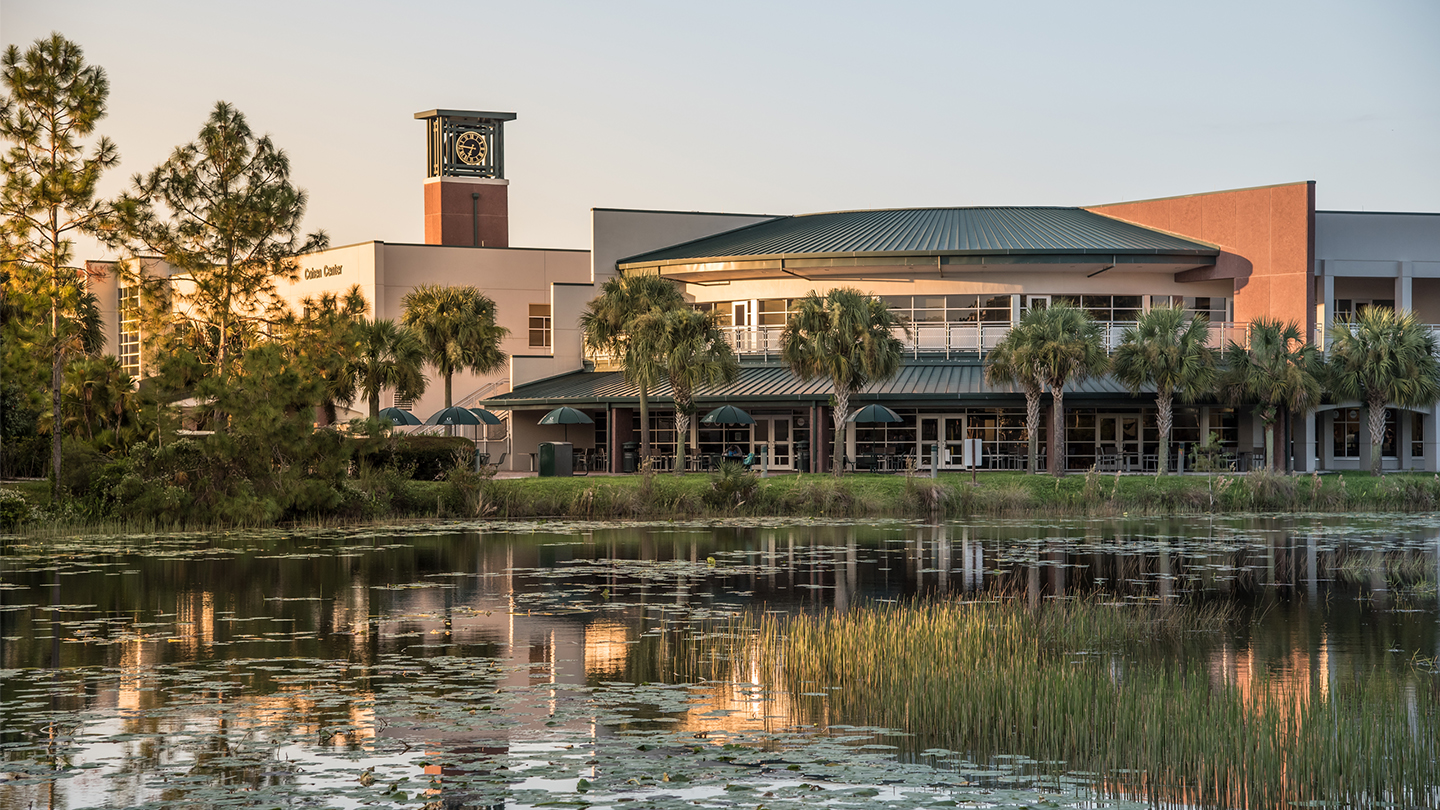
1268, 239
452, 214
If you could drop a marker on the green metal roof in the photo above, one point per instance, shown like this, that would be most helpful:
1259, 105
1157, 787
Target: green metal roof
925, 383
930, 231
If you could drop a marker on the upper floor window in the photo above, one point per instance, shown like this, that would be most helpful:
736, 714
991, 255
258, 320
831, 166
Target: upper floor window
922, 309
130, 329
540, 325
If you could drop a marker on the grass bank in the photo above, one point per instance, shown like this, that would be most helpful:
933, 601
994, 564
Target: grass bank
997, 494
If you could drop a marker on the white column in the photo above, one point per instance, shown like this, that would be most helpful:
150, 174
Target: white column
1432, 458
1327, 440
1404, 299
1403, 418
1305, 457
1328, 316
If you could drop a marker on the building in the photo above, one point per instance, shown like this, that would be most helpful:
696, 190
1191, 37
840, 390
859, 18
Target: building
962, 276
467, 241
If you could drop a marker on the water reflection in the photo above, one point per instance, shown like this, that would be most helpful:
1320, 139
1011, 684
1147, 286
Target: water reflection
139, 672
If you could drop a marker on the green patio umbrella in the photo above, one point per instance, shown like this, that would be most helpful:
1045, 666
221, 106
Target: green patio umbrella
566, 416
727, 415
399, 417
453, 416
875, 413
485, 417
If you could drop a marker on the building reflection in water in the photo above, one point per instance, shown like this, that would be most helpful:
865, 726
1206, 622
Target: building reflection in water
603, 605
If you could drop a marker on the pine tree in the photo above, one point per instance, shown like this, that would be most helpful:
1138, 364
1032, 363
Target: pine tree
52, 104
223, 214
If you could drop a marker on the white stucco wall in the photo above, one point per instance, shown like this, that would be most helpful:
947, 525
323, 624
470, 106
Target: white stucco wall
617, 233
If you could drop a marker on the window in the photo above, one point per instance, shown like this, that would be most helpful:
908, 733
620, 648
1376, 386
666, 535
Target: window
922, 309
1346, 433
130, 329
1215, 308
1417, 435
404, 403
540, 325
773, 311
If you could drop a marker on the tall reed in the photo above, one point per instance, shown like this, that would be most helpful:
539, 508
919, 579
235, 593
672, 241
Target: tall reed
1062, 683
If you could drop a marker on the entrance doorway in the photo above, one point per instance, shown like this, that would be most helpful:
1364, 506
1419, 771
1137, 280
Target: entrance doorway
1118, 443
743, 316
947, 430
774, 431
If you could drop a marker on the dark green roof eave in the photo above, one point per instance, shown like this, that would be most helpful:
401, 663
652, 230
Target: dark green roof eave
928, 384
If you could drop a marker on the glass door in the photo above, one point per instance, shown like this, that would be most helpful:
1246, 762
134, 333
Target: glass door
775, 432
743, 316
948, 431
1118, 444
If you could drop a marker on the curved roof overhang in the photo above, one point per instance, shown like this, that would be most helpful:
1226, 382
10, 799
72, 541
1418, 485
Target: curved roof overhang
914, 265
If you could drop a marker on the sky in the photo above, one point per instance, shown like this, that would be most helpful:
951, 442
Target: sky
782, 107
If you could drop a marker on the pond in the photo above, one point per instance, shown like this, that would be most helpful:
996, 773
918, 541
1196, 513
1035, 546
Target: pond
1244, 662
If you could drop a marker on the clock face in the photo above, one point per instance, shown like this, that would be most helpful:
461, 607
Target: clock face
471, 148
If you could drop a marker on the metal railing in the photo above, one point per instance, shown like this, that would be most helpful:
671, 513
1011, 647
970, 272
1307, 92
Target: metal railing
1325, 335
472, 400
954, 339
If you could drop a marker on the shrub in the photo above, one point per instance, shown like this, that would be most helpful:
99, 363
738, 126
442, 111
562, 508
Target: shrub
428, 458
731, 486
14, 509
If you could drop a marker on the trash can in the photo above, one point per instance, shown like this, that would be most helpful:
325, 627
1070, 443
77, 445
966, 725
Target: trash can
630, 457
557, 459
802, 455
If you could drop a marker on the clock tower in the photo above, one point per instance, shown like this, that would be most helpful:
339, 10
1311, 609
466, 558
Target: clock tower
466, 193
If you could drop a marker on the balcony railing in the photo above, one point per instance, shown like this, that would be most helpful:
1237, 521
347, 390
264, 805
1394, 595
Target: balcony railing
1325, 335
953, 339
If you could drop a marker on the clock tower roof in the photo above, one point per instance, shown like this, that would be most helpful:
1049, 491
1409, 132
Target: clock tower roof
472, 114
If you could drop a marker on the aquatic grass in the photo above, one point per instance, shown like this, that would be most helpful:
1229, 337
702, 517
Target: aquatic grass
1057, 684
998, 495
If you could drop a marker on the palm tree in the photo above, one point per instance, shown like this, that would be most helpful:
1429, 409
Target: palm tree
694, 353
1278, 369
456, 326
611, 324
389, 356
1383, 357
1068, 350
847, 337
1170, 351
1014, 360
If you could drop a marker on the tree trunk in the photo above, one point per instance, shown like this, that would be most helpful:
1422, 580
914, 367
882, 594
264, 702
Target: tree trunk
1287, 442
842, 410
375, 404
1270, 444
1165, 421
1376, 408
644, 421
682, 434
57, 378
1032, 426
1057, 430
447, 389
